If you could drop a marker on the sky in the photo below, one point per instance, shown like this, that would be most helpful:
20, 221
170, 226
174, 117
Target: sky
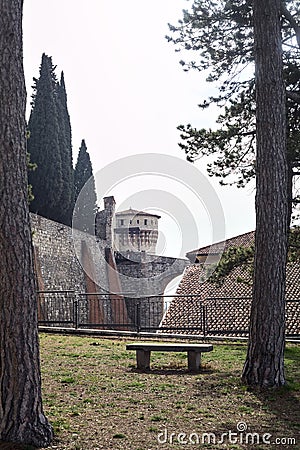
127, 93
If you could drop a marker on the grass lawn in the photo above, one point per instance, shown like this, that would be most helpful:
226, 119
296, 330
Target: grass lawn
96, 399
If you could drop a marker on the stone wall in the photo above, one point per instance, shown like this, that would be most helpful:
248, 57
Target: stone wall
60, 255
57, 264
144, 278
145, 274
97, 270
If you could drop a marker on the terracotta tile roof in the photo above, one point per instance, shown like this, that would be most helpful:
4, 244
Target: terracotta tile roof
245, 240
293, 280
191, 283
224, 309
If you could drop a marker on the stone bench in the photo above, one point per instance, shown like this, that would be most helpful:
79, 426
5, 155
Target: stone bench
143, 352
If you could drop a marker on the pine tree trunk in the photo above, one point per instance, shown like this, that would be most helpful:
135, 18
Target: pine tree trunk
264, 364
21, 414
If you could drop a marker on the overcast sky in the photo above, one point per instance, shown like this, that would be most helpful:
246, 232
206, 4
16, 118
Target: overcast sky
126, 91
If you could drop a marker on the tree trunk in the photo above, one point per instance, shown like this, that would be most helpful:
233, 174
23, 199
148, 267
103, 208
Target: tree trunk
21, 414
264, 364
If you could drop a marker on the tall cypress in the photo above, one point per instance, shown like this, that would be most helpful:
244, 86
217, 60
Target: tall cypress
88, 199
66, 201
50, 147
43, 143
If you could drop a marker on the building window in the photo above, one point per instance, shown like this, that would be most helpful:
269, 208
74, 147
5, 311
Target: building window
137, 221
145, 222
121, 222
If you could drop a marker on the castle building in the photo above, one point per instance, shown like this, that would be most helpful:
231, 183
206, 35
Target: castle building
136, 231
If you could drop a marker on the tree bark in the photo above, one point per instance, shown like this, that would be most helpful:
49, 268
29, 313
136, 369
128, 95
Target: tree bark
264, 365
21, 414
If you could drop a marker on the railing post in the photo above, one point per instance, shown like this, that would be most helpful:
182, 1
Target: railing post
138, 315
76, 318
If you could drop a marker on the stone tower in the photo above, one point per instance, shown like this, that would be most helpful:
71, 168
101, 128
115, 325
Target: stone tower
104, 221
136, 231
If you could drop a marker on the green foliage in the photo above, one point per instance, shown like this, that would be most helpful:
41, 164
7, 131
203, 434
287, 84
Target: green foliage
220, 35
30, 166
66, 201
50, 147
234, 257
83, 178
243, 257
43, 143
232, 145
294, 244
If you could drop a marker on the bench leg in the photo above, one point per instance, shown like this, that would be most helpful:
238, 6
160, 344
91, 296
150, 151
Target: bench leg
194, 361
143, 359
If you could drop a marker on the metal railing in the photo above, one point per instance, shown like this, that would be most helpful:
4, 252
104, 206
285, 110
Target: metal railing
175, 314
57, 307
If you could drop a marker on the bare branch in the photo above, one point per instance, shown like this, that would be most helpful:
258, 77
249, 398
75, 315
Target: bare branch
286, 13
295, 96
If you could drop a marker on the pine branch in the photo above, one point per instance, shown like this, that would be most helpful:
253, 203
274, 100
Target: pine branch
289, 17
295, 96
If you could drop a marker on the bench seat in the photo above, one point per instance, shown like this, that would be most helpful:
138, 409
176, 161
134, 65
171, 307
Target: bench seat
143, 352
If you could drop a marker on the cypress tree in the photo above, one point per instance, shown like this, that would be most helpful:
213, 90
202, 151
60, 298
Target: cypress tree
66, 201
88, 199
50, 147
43, 144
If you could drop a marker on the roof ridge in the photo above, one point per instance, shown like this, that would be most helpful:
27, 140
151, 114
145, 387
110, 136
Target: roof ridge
224, 243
